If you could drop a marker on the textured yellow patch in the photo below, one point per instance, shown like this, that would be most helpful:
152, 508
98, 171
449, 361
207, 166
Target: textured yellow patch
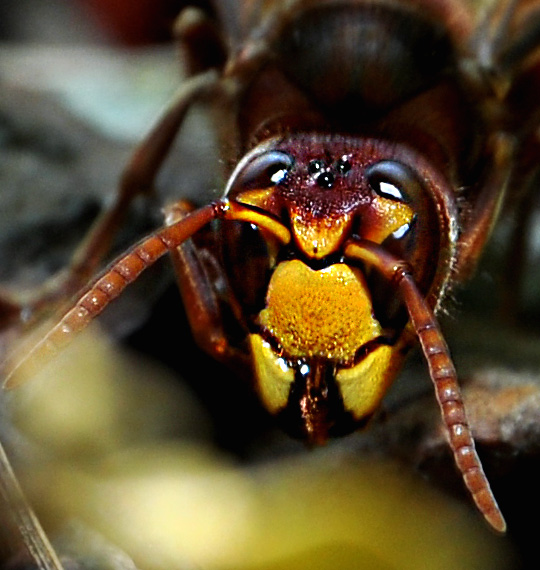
363, 386
274, 377
325, 313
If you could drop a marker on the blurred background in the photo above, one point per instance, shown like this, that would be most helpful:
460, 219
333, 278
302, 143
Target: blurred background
89, 21
135, 449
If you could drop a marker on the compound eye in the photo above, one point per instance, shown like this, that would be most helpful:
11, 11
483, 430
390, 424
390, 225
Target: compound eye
266, 170
414, 237
392, 180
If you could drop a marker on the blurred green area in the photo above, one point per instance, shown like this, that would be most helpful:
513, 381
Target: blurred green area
120, 451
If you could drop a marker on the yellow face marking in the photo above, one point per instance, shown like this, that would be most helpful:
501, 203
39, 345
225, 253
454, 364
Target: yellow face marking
236, 211
318, 237
274, 377
388, 217
363, 386
259, 197
325, 313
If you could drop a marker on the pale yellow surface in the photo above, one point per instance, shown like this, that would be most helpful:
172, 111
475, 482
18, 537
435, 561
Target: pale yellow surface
273, 376
363, 386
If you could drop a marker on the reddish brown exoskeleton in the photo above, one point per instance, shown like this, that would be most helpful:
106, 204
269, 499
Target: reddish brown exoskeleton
371, 144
